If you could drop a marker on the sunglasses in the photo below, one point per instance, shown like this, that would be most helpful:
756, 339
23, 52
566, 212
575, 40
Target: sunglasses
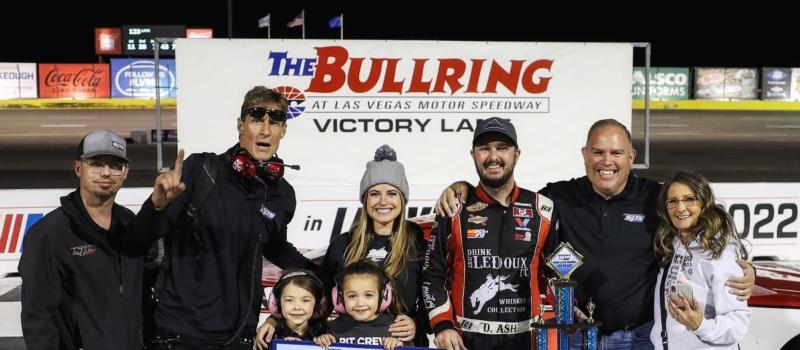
259, 113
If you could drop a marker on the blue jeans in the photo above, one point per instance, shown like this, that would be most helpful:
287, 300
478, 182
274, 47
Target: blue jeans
634, 339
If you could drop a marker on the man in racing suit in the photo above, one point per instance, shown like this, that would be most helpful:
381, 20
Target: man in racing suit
481, 272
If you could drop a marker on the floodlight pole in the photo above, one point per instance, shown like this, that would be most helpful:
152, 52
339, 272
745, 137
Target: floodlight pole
646, 164
230, 19
157, 70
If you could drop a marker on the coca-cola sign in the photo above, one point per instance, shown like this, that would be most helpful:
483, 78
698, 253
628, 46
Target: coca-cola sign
74, 81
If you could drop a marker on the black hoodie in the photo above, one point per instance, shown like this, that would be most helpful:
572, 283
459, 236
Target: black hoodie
81, 284
212, 290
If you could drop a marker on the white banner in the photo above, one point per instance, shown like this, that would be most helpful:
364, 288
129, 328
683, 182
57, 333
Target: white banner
18, 80
423, 98
766, 214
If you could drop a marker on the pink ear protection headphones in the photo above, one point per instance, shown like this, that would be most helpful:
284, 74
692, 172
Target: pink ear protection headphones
274, 305
358, 268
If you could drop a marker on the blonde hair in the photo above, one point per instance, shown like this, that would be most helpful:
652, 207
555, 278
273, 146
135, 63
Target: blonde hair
401, 240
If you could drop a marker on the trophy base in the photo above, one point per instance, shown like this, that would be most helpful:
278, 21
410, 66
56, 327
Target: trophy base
563, 331
571, 328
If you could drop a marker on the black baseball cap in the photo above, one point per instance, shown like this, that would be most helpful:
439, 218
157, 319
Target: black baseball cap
496, 125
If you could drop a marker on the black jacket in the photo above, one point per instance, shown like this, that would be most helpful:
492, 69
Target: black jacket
81, 284
212, 289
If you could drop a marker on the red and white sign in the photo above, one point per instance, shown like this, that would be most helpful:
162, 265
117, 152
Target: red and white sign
199, 33
108, 41
423, 98
77, 81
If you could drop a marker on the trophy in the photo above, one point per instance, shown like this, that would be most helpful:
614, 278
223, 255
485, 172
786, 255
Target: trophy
591, 333
564, 261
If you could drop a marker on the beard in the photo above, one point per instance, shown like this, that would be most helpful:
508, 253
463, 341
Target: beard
105, 195
495, 182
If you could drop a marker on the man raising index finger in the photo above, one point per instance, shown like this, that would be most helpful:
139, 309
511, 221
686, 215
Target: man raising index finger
214, 245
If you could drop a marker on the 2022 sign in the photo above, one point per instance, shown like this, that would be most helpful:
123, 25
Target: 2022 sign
765, 220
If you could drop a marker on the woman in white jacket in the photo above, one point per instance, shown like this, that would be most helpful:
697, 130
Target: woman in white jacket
698, 246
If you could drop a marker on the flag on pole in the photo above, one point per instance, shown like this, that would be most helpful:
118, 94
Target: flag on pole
263, 21
297, 21
335, 22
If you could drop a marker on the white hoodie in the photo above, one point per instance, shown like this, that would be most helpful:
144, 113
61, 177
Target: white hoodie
725, 320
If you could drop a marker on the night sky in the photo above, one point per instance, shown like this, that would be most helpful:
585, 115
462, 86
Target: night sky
680, 34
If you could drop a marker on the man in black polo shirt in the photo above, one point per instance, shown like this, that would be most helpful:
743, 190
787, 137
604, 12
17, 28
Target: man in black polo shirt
610, 218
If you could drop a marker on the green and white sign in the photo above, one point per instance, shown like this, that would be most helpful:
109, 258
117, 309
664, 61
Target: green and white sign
666, 83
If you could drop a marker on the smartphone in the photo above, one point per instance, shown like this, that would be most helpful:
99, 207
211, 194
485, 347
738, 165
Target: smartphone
675, 292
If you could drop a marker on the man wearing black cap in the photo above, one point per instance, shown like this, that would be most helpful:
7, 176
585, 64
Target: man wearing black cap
609, 216
81, 278
489, 253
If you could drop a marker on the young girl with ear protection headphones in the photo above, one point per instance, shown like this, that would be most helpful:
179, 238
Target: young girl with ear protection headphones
382, 235
297, 303
364, 299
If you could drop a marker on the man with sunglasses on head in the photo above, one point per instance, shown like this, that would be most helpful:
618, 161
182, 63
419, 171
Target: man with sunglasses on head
211, 289
81, 277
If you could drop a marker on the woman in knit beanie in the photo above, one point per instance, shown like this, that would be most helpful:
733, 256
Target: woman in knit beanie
381, 234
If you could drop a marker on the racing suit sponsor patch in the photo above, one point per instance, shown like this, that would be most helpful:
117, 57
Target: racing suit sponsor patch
477, 219
476, 233
478, 206
522, 224
523, 212
493, 327
488, 290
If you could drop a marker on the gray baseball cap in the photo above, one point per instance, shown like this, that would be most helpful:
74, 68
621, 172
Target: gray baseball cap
103, 142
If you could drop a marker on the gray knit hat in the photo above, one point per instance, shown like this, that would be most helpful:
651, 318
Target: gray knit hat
385, 169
